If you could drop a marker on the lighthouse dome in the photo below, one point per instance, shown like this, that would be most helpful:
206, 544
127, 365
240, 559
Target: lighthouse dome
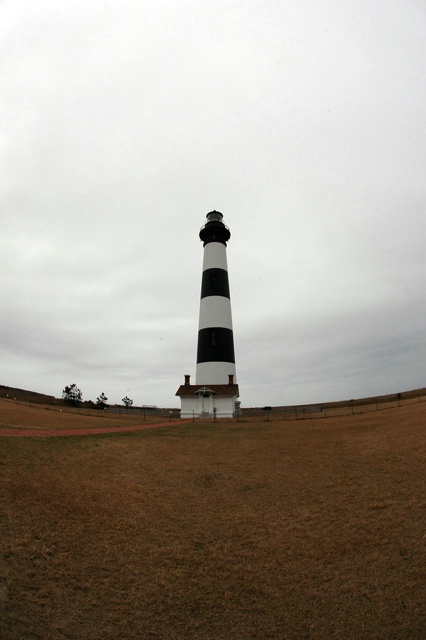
214, 216
214, 230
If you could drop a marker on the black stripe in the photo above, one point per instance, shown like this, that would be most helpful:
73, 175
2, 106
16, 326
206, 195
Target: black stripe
215, 344
215, 283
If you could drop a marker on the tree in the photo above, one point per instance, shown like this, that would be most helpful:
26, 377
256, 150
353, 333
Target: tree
127, 402
102, 400
72, 394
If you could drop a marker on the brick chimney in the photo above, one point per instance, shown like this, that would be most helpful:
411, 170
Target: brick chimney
187, 379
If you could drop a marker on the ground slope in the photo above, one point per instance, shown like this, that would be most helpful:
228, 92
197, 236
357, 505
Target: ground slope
251, 531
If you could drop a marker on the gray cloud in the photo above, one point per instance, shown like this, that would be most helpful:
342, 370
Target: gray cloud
123, 124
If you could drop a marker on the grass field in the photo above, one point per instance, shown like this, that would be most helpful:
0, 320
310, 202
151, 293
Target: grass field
250, 530
38, 416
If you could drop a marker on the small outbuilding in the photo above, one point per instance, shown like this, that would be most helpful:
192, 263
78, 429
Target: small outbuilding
214, 400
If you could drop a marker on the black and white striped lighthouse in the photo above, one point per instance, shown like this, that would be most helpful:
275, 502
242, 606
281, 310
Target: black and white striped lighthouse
215, 352
215, 391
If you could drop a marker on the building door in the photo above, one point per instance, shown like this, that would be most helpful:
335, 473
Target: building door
205, 403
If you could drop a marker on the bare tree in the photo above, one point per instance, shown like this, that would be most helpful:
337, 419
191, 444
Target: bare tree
102, 400
127, 402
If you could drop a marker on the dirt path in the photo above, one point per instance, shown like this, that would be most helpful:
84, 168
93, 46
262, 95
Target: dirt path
52, 433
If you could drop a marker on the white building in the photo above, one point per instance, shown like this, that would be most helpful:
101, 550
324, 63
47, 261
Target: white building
215, 400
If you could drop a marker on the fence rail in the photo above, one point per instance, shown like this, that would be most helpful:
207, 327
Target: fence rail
311, 412
300, 412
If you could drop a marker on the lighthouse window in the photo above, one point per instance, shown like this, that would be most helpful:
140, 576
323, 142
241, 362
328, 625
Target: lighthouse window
213, 338
213, 282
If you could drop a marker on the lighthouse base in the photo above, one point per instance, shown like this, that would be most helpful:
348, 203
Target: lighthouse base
214, 401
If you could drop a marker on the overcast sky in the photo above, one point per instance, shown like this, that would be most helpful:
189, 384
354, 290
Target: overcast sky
124, 122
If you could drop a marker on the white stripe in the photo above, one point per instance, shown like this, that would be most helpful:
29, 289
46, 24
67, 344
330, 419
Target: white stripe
215, 311
214, 373
215, 256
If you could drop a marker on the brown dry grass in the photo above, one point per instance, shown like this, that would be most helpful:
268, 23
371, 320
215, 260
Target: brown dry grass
38, 416
247, 531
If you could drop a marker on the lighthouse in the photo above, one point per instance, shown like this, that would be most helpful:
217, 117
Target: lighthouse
215, 391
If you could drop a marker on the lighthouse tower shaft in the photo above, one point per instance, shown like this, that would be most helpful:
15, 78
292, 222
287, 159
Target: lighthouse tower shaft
215, 352
215, 391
